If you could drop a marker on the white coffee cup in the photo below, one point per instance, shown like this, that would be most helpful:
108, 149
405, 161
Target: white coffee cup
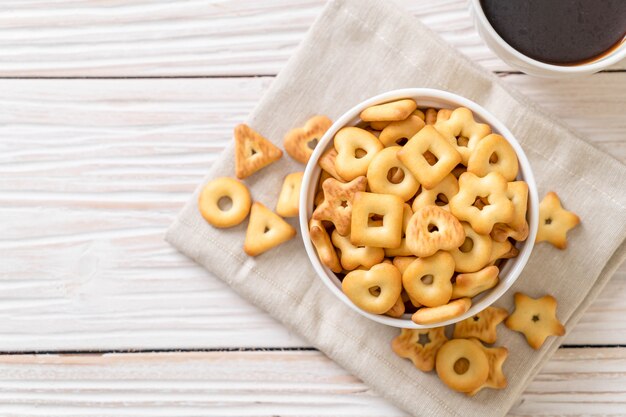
531, 66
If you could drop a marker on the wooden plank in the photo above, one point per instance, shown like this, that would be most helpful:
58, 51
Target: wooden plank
93, 171
165, 38
576, 382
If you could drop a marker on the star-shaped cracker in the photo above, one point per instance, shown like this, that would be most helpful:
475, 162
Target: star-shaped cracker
482, 325
555, 221
496, 357
337, 205
420, 346
535, 318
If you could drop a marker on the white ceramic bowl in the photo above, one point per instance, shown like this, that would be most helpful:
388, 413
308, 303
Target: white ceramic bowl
425, 97
531, 66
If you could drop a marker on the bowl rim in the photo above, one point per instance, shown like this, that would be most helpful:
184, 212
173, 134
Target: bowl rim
596, 65
418, 94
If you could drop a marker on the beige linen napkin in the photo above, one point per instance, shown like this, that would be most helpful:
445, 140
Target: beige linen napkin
359, 48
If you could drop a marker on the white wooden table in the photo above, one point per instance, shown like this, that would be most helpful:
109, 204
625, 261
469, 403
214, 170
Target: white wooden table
110, 114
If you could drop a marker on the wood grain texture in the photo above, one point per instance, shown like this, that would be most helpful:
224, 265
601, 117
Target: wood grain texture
93, 171
268, 383
186, 38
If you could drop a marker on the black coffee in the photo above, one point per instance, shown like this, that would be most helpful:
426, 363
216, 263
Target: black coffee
563, 32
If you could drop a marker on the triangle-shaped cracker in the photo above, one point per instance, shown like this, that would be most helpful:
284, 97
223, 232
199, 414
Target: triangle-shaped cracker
266, 230
252, 151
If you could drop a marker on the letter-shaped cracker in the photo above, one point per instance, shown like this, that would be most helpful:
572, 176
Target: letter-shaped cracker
440, 195
555, 221
430, 315
535, 318
354, 256
482, 325
337, 204
378, 175
396, 132
289, 198
473, 283
494, 187
349, 141
420, 346
376, 290
266, 230
429, 140
427, 280
300, 142
474, 253
389, 112
252, 151
493, 153
462, 365
387, 235
323, 246
431, 229
517, 229
462, 132
229, 188
327, 163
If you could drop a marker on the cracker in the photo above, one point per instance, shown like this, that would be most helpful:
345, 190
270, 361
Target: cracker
439, 195
475, 251
266, 230
389, 112
430, 315
496, 357
431, 229
288, 200
502, 250
337, 204
462, 132
420, 346
517, 228
419, 114
386, 235
349, 142
493, 153
376, 290
403, 249
427, 280
379, 125
535, 318
429, 140
482, 325
327, 163
395, 133
493, 187
230, 189
462, 365
472, 284
555, 221
397, 310
324, 247
378, 175
352, 256
252, 151
300, 142
430, 116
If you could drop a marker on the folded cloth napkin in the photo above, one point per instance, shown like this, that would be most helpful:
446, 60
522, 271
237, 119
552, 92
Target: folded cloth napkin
357, 49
